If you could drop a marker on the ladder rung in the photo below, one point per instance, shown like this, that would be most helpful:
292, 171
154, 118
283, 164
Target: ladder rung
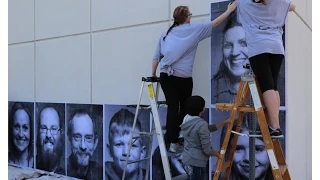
130, 162
141, 106
151, 79
247, 78
247, 135
146, 134
162, 102
149, 133
229, 107
247, 129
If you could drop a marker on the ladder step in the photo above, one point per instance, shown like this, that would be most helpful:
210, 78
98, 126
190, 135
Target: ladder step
247, 135
229, 107
151, 79
145, 134
141, 106
130, 162
162, 102
148, 133
181, 177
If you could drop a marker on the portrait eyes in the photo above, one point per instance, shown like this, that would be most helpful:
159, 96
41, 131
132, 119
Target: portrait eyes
120, 144
24, 127
240, 148
54, 130
229, 45
243, 43
78, 137
88, 138
260, 148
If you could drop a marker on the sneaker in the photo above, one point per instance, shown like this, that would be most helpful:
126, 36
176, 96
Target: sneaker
175, 148
277, 133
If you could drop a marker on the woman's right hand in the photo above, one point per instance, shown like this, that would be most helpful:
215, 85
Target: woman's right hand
232, 6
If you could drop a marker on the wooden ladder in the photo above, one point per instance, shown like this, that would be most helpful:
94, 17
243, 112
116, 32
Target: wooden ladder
273, 147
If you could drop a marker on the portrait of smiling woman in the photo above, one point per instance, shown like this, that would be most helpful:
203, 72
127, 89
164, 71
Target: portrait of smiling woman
225, 83
21, 134
229, 53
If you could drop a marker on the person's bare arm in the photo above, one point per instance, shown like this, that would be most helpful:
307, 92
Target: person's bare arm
231, 7
218, 125
292, 7
154, 67
222, 123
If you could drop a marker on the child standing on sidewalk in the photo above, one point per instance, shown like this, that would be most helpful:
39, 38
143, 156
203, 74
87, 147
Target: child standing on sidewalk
196, 134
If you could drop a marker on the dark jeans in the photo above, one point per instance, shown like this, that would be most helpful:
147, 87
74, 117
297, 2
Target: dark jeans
176, 90
198, 173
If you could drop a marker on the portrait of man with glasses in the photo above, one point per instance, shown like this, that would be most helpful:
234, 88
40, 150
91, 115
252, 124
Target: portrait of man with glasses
84, 135
50, 137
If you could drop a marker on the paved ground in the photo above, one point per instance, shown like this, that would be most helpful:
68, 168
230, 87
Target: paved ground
18, 173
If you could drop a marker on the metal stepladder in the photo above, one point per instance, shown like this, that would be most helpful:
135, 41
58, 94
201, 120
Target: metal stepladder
248, 84
156, 126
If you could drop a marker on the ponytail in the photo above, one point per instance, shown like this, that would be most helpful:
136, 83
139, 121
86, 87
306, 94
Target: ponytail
172, 26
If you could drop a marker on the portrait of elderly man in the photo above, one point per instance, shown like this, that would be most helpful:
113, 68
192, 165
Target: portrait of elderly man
83, 137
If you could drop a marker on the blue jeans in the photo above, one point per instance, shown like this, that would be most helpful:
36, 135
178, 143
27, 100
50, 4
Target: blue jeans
197, 173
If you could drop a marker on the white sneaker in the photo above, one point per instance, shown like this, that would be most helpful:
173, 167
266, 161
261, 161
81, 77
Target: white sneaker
175, 147
180, 136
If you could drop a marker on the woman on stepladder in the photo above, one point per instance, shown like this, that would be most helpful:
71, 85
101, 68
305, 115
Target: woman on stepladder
176, 50
262, 21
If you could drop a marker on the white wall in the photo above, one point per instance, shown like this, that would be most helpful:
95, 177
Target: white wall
96, 51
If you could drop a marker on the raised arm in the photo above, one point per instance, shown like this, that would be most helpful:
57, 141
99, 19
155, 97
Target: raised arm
231, 7
214, 127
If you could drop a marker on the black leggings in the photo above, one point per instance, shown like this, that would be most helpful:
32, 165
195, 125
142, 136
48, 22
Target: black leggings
266, 68
176, 90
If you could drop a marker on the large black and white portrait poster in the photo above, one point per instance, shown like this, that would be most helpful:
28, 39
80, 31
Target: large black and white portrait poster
21, 134
119, 121
50, 137
228, 56
85, 141
240, 163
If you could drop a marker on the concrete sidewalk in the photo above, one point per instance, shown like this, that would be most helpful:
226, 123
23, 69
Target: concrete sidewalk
19, 173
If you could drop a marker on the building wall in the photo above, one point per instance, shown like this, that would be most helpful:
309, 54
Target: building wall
96, 51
